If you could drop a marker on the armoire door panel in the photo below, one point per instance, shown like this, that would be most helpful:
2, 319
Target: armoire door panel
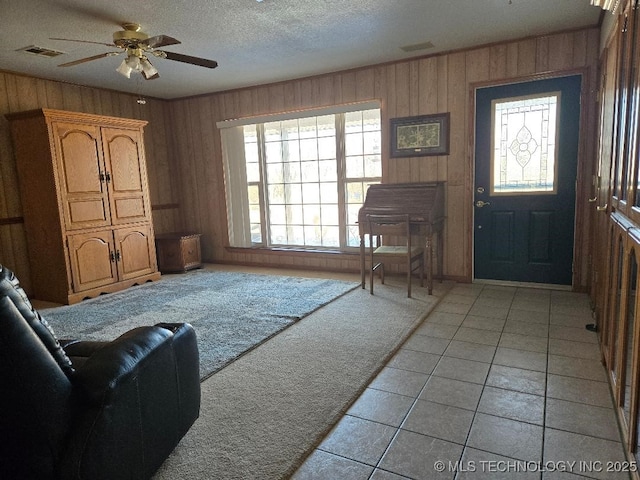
87, 212
124, 158
81, 159
135, 251
129, 208
81, 172
125, 168
92, 262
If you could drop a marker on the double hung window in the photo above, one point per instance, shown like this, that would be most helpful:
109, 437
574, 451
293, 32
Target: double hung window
298, 180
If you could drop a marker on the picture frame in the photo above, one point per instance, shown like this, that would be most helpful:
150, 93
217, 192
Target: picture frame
420, 135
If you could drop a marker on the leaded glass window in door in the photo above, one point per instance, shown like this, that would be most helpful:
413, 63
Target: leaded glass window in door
525, 137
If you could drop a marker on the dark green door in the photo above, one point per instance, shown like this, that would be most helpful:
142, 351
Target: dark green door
526, 155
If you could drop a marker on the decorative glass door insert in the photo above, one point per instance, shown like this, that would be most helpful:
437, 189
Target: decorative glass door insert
524, 145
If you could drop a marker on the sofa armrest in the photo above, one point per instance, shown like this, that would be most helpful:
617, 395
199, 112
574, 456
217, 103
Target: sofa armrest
136, 401
187, 370
114, 362
81, 348
79, 351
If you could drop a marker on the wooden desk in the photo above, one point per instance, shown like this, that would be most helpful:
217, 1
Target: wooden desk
423, 202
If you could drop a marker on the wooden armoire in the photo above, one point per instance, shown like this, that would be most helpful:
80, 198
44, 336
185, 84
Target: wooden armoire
85, 199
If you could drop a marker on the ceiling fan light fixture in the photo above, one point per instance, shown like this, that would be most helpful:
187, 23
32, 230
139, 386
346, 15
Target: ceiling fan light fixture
124, 69
137, 45
133, 62
148, 70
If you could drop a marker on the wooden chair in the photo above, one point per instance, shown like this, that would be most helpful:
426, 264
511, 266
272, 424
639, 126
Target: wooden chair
393, 226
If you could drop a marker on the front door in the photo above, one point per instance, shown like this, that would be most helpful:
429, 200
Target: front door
526, 155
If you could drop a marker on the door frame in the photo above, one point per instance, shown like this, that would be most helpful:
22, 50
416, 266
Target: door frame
584, 172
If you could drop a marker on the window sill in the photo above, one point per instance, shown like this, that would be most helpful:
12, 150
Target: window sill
290, 251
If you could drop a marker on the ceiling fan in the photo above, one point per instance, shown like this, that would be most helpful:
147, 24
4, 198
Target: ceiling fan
138, 45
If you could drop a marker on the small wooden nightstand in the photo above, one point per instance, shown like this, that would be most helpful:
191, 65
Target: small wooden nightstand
178, 251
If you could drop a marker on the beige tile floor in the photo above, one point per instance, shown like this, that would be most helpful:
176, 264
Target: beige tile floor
498, 382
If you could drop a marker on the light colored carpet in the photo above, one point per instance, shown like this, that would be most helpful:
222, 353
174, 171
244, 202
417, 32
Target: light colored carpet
262, 414
232, 312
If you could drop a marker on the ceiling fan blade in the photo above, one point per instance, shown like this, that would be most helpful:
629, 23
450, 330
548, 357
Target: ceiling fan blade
88, 59
179, 57
83, 41
160, 41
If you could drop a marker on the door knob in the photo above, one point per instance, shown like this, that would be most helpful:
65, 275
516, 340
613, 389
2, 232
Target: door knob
481, 204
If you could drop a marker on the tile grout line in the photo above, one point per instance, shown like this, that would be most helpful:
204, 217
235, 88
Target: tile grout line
546, 385
484, 385
415, 400
475, 412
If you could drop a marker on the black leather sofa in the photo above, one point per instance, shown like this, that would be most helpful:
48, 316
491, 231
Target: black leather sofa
90, 410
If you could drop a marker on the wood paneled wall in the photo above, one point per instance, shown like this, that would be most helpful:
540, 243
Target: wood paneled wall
184, 153
19, 93
442, 83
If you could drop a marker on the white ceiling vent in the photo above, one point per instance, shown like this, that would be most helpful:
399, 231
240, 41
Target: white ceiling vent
416, 47
43, 52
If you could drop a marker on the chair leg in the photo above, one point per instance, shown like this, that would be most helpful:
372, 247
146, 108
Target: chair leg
371, 279
440, 252
409, 265
362, 263
372, 268
430, 265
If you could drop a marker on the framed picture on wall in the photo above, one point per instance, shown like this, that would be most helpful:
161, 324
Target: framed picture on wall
420, 135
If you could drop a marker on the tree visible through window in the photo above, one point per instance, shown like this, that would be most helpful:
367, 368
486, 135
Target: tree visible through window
307, 178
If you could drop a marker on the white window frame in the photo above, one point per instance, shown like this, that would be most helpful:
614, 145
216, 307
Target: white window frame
236, 184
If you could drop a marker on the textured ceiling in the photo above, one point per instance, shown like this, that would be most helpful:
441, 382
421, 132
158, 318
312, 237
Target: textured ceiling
257, 42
